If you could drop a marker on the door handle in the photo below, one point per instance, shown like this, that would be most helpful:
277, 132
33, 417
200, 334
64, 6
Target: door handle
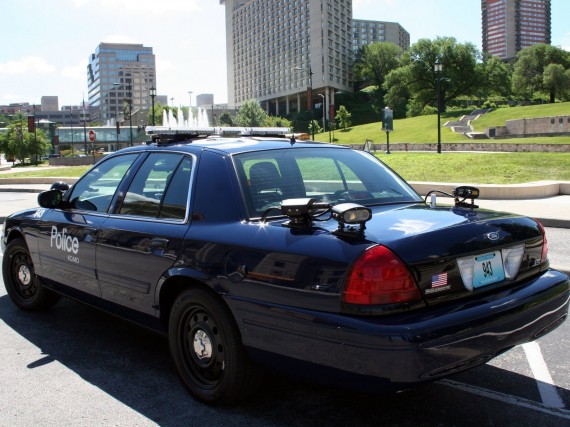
158, 243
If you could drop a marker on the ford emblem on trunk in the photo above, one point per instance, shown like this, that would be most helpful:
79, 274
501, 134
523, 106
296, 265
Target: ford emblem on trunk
492, 236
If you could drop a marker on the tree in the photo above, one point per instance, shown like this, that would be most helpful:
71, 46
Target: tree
496, 78
19, 144
250, 114
374, 62
530, 66
314, 127
278, 122
158, 108
416, 80
343, 117
556, 81
226, 119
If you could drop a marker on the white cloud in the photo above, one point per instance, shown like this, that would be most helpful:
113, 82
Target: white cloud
75, 72
27, 64
120, 38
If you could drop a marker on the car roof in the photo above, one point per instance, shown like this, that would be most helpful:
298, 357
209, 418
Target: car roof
234, 145
248, 144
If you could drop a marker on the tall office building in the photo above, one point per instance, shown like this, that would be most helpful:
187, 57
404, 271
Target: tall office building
120, 74
288, 54
511, 25
366, 32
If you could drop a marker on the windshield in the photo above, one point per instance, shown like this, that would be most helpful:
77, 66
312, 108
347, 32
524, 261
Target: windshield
328, 175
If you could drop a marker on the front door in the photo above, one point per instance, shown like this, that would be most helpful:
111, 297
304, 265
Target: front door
68, 236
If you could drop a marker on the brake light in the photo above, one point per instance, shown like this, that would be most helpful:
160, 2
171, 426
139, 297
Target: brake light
544, 254
378, 276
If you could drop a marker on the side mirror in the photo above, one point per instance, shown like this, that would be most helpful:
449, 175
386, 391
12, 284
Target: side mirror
50, 199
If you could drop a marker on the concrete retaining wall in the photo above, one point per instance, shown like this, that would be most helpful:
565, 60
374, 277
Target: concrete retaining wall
471, 146
75, 161
543, 126
529, 190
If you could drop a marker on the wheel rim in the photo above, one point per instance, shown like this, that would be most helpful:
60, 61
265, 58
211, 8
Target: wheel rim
202, 348
22, 276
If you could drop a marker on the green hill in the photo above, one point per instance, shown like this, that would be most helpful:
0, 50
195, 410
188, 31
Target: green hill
423, 129
500, 115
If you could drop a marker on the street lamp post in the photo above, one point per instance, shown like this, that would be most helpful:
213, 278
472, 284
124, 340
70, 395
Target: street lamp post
323, 106
71, 126
309, 95
130, 102
152, 93
310, 87
437, 68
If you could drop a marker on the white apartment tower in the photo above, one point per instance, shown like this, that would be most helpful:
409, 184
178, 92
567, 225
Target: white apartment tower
288, 54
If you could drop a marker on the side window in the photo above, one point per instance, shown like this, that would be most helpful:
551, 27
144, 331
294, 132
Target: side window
176, 196
148, 187
96, 189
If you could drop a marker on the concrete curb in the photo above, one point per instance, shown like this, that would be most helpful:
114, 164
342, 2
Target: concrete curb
529, 190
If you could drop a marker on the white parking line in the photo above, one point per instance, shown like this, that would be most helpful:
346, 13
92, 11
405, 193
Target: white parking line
549, 395
507, 398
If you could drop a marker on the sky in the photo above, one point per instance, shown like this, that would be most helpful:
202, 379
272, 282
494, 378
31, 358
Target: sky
47, 44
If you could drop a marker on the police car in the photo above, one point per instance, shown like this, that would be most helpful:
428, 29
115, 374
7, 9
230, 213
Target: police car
248, 248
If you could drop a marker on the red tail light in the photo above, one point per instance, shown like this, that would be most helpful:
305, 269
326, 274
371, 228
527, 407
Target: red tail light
544, 255
378, 276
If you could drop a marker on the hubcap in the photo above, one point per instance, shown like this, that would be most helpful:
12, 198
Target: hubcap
202, 345
24, 275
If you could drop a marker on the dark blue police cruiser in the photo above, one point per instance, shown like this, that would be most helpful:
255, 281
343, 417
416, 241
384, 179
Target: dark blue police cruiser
255, 249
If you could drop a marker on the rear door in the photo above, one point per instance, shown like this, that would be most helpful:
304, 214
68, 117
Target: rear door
142, 238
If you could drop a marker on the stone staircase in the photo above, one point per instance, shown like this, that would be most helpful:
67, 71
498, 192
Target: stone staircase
463, 125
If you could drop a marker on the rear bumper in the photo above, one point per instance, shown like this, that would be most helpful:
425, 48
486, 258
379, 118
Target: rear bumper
409, 348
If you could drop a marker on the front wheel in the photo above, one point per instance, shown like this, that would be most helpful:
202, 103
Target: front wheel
22, 285
206, 347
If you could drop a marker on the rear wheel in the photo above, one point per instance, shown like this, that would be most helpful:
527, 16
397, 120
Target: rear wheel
206, 347
22, 285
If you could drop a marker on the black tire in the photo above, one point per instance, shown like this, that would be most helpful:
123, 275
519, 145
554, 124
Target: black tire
23, 286
205, 344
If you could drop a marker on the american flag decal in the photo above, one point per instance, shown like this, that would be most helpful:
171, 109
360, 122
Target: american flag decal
439, 280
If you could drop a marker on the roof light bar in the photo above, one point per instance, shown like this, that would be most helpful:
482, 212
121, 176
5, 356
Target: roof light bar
221, 131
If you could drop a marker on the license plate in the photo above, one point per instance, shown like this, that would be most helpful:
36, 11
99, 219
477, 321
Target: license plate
488, 268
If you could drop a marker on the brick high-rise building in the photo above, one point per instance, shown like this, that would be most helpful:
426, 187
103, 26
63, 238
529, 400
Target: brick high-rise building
511, 25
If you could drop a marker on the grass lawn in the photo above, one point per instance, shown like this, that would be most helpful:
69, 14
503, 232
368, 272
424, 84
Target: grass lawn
61, 171
480, 168
415, 129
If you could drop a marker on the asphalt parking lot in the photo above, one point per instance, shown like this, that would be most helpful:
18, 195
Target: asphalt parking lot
77, 366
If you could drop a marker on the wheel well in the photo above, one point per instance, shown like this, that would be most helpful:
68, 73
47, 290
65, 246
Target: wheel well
172, 288
15, 234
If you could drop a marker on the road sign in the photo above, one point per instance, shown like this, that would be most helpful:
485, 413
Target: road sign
91, 135
387, 120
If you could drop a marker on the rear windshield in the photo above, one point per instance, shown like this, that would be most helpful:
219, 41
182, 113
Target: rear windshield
328, 175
